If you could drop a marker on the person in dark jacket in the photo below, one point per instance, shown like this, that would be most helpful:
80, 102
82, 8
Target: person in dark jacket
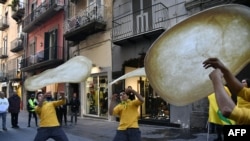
62, 113
14, 109
74, 106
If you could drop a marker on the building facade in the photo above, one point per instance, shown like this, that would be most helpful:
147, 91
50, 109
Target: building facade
88, 33
37, 35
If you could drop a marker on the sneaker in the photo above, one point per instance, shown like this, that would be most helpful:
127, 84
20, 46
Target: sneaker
5, 129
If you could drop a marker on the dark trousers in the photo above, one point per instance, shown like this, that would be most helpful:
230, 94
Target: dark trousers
32, 113
63, 116
131, 134
74, 115
14, 119
56, 133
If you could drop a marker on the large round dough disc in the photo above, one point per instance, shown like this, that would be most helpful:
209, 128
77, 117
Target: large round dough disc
173, 64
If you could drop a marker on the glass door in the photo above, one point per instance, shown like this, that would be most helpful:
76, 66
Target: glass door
97, 95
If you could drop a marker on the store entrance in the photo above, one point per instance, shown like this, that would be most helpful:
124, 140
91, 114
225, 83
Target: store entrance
97, 95
154, 108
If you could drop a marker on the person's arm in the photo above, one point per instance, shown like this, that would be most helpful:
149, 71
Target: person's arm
225, 103
233, 83
113, 103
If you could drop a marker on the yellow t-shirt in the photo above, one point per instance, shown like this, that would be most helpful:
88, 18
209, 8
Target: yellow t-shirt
47, 113
242, 115
215, 116
128, 113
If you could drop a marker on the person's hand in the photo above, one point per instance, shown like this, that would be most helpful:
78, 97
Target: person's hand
213, 62
114, 97
129, 90
215, 74
62, 94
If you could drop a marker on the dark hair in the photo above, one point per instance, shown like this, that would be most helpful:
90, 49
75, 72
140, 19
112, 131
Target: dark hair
122, 91
248, 81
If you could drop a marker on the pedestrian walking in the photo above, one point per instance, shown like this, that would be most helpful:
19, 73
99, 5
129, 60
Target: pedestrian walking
62, 112
127, 111
32, 102
74, 106
4, 105
14, 109
49, 126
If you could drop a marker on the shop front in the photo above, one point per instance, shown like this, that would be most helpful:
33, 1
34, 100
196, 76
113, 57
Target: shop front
154, 110
97, 95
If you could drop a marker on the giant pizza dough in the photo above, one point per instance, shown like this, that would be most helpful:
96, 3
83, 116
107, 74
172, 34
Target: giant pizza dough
173, 64
75, 70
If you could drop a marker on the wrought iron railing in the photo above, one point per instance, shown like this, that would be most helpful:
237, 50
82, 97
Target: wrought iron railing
41, 9
49, 54
3, 51
4, 22
128, 26
93, 13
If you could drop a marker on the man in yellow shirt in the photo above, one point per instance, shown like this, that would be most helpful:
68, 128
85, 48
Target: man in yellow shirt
49, 126
127, 110
240, 101
226, 105
215, 117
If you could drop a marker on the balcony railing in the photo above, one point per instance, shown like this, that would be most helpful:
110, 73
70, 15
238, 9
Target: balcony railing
14, 75
18, 12
50, 56
41, 14
3, 23
87, 21
136, 24
3, 1
3, 76
204, 4
16, 45
3, 53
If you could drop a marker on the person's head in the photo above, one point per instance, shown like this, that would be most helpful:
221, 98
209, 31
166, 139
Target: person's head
1, 94
246, 82
48, 95
32, 96
74, 95
123, 96
40, 96
14, 93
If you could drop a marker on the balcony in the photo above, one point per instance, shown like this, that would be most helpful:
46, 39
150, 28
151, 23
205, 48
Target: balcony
18, 12
16, 45
204, 4
134, 26
45, 59
14, 75
3, 1
3, 76
41, 14
86, 22
3, 53
3, 23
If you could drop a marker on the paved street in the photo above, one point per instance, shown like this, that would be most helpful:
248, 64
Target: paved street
89, 129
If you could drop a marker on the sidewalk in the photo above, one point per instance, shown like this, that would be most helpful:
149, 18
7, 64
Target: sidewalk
89, 129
